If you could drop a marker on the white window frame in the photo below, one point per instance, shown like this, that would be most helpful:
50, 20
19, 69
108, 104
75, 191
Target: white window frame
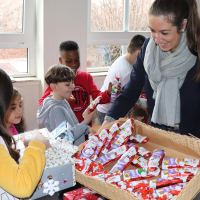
24, 39
112, 37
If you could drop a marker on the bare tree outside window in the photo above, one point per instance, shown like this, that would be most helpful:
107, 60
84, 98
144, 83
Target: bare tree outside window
14, 60
101, 56
138, 15
11, 21
108, 15
11, 16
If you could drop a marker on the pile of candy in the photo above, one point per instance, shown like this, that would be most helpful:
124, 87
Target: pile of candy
116, 144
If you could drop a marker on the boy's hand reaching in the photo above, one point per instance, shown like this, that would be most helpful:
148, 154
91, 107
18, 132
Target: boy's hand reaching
91, 131
88, 117
109, 88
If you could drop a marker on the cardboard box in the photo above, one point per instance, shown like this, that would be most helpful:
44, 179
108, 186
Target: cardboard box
175, 145
82, 193
59, 165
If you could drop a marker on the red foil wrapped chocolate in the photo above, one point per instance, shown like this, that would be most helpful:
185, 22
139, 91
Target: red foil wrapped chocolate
103, 136
137, 138
111, 156
89, 147
156, 159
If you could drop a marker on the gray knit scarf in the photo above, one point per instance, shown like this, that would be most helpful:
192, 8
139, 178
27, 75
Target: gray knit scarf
166, 72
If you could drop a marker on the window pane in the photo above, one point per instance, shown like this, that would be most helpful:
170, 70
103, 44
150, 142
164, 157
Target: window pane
138, 15
107, 15
11, 16
14, 60
101, 56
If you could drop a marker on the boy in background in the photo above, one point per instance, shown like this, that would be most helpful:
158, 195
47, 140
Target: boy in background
121, 68
138, 112
84, 84
55, 109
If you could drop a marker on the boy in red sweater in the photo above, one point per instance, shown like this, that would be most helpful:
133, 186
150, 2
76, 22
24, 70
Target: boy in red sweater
84, 84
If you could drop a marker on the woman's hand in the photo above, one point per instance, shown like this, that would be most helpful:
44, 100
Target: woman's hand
39, 138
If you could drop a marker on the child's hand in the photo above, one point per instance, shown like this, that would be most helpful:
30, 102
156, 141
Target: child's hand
91, 131
39, 138
88, 117
109, 88
104, 123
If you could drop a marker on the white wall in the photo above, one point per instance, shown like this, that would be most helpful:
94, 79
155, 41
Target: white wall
30, 93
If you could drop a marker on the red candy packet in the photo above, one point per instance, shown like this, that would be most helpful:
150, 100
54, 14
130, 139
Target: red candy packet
93, 105
137, 138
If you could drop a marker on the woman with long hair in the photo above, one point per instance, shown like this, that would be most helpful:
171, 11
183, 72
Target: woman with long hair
168, 68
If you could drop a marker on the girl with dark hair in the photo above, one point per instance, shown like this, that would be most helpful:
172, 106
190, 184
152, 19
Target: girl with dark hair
18, 180
168, 68
13, 118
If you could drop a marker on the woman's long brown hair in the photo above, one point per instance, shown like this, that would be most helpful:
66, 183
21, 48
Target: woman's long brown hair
6, 90
176, 11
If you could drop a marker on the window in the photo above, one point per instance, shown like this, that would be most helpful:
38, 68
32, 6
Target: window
111, 25
17, 37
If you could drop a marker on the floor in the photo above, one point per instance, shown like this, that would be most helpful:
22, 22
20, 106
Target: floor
197, 197
54, 197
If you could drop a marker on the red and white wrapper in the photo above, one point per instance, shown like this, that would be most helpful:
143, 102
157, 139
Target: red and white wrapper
178, 172
169, 163
156, 159
139, 174
93, 105
86, 166
101, 176
113, 178
145, 193
139, 162
137, 184
79, 163
123, 138
128, 123
158, 183
115, 89
82, 194
130, 144
89, 147
137, 138
113, 131
111, 156
144, 152
124, 161
103, 136
171, 190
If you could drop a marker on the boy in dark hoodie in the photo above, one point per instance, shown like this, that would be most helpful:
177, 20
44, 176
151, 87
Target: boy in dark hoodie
55, 109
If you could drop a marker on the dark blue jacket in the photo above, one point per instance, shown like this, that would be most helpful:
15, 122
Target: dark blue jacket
189, 95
